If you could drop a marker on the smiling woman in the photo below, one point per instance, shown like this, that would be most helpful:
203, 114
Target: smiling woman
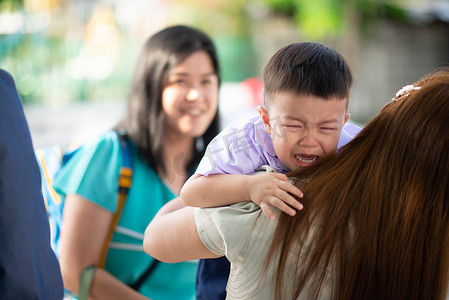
193, 80
172, 113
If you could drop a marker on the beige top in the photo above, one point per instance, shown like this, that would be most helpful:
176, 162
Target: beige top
244, 235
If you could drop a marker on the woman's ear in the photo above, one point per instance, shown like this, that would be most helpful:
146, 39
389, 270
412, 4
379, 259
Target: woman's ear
265, 118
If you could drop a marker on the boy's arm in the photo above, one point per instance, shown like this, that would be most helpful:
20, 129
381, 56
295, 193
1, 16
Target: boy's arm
214, 190
265, 189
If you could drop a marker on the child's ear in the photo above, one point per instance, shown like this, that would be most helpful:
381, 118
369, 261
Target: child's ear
348, 115
265, 119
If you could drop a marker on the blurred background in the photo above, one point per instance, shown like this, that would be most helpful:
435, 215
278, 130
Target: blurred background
73, 59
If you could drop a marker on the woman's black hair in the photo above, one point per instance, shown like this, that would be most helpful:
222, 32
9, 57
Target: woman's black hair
144, 122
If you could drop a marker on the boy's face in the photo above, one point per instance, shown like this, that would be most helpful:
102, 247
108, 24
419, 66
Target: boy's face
304, 128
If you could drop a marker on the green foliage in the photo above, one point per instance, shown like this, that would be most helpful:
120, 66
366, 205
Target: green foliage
236, 56
315, 19
29, 60
287, 7
227, 22
40, 65
222, 17
319, 19
10, 5
51, 67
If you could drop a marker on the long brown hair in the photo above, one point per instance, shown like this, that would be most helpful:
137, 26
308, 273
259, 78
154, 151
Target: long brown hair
376, 214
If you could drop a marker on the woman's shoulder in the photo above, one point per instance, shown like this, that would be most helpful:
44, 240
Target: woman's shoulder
106, 144
229, 229
108, 139
244, 211
91, 168
100, 153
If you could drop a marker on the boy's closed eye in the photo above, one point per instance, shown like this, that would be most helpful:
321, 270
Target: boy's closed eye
327, 129
292, 127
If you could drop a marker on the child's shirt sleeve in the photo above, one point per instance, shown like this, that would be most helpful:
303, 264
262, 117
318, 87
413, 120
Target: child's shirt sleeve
240, 150
348, 132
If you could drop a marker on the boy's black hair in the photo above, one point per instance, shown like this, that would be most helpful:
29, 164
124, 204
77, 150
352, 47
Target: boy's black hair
308, 68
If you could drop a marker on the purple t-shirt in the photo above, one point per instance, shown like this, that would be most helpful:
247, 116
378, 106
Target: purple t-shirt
243, 148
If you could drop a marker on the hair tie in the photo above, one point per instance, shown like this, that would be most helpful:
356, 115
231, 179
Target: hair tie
404, 92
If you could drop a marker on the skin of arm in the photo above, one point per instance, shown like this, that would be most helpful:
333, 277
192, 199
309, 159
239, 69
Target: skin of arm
84, 233
172, 235
265, 189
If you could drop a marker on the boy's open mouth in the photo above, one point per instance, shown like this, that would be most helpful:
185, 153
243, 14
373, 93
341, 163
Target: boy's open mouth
306, 158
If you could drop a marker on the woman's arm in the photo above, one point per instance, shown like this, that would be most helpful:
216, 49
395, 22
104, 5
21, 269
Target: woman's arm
84, 233
172, 235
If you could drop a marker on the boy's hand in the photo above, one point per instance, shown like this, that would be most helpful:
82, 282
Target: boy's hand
266, 189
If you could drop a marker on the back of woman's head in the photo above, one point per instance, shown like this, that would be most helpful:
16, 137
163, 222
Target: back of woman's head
162, 52
410, 137
378, 211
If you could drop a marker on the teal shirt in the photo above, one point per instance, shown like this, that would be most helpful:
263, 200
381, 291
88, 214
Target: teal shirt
93, 174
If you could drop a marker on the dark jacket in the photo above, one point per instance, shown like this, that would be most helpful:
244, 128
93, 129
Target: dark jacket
28, 266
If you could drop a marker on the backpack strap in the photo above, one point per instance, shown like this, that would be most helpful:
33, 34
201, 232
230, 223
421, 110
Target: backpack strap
124, 183
125, 179
149, 270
